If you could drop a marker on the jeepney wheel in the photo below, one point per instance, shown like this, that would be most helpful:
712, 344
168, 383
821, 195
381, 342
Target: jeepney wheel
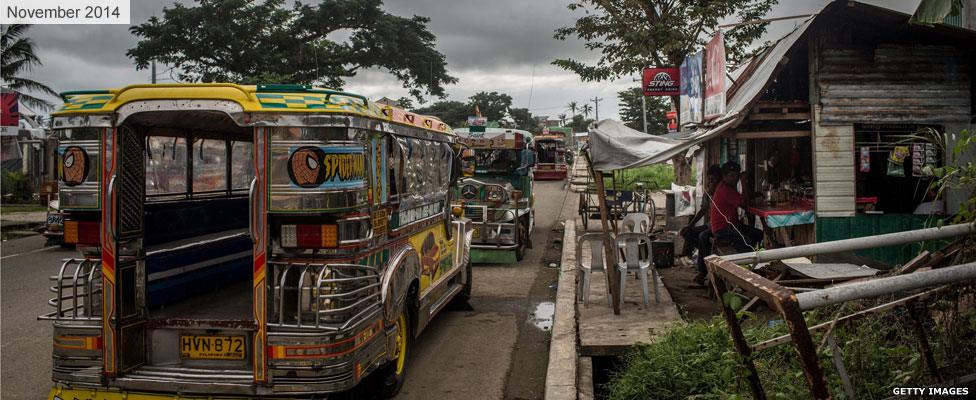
523, 239
465, 295
397, 368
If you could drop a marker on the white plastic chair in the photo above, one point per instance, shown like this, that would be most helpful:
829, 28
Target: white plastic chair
636, 222
637, 261
596, 263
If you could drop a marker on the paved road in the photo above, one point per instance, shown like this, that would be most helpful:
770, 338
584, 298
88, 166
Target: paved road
495, 349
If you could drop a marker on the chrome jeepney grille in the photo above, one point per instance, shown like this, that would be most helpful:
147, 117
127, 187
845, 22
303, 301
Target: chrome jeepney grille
475, 213
78, 291
326, 296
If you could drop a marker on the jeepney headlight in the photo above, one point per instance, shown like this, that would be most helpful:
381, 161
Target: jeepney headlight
495, 194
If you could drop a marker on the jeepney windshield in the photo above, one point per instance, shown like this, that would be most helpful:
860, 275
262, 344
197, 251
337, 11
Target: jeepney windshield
550, 151
488, 161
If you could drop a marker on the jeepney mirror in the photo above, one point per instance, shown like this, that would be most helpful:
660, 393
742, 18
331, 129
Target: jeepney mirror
468, 162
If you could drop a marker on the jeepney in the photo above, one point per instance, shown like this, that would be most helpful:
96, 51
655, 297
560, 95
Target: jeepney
269, 240
498, 199
551, 152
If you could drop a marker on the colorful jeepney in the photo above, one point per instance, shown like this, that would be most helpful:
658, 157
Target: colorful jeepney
498, 199
550, 148
270, 240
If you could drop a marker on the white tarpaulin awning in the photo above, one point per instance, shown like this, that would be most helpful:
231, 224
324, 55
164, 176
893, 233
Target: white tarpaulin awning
613, 145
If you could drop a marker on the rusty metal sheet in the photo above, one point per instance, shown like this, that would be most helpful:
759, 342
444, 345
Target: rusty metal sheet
831, 271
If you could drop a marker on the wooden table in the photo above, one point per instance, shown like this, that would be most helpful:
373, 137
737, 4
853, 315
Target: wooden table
798, 213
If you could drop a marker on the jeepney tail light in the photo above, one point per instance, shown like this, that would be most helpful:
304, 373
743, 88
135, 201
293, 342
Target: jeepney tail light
81, 232
309, 236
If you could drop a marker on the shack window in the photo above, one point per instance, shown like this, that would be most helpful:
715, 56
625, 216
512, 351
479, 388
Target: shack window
166, 165
893, 167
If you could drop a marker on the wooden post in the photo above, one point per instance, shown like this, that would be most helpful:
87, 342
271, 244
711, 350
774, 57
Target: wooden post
609, 250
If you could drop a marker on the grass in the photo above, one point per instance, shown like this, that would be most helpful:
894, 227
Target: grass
697, 360
654, 177
12, 208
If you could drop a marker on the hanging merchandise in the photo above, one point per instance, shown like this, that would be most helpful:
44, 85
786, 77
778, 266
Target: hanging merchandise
918, 159
865, 159
931, 159
896, 161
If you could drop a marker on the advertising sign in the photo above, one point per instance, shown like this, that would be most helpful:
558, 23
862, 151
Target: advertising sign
661, 82
477, 121
672, 121
691, 89
11, 111
715, 77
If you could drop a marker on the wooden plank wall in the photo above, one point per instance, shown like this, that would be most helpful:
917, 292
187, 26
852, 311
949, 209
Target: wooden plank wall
833, 164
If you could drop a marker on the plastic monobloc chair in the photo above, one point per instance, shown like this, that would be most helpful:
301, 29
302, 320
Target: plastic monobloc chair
596, 263
636, 222
635, 260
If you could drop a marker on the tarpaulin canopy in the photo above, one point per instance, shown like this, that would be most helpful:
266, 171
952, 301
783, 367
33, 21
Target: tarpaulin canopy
613, 145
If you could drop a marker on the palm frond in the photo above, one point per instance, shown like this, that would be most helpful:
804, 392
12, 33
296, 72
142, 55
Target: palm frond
36, 103
22, 85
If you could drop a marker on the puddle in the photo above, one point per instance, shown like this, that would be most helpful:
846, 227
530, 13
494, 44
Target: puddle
542, 316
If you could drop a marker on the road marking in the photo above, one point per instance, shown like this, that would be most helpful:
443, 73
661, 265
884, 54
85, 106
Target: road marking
30, 252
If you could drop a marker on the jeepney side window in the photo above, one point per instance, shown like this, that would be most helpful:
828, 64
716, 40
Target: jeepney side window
396, 167
209, 165
242, 164
165, 165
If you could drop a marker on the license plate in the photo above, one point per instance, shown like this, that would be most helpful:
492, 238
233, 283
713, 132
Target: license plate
212, 347
55, 219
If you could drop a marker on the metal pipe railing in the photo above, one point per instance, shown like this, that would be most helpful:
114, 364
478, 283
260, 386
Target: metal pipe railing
883, 286
840, 246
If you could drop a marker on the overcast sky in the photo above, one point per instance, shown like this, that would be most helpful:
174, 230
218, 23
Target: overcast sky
502, 45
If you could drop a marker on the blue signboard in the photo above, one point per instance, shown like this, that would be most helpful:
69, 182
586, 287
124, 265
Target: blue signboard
690, 100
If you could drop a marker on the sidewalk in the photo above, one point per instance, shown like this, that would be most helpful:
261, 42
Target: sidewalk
22, 220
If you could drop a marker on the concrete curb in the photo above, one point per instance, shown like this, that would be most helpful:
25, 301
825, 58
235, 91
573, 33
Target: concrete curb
561, 373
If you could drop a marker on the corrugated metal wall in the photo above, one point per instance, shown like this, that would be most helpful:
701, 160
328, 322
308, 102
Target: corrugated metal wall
894, 84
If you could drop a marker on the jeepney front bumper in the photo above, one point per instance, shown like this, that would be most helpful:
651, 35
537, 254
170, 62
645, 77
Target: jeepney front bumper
500, 234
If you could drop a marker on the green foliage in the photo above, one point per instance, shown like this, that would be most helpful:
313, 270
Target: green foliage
16, 187
453, 113
16, 58
956, 174
524, 120
491, 104
243, 40
630, 111
697, 360
654, 177
580, 123
631, 35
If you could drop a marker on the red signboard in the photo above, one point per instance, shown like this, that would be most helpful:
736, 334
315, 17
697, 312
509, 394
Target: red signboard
672, 117
10, 111
661, 82
715, 77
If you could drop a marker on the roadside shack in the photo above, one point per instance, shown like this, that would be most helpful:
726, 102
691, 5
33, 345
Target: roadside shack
825, 120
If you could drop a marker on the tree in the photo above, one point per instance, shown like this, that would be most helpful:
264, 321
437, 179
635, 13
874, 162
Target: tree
572, 107
632, 34
491, 104
630, 111
562, 119
453, 113
580, 124
404, 103
586, 109
17, 57
247, 41
525, 120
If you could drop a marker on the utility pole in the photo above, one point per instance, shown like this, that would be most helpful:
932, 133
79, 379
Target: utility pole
596, 103
153, 71
643, 103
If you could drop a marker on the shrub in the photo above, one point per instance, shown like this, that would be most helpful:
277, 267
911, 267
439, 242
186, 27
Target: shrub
16, 187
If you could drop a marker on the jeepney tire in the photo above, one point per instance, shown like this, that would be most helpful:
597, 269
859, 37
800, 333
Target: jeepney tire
465, 295
523, 236
392, 381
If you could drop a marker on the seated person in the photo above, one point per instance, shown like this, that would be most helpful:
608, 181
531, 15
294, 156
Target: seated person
690, 232
693, 235
723, 218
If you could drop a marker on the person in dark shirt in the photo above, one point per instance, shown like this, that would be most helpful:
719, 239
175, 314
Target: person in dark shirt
693, 234
724, 219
